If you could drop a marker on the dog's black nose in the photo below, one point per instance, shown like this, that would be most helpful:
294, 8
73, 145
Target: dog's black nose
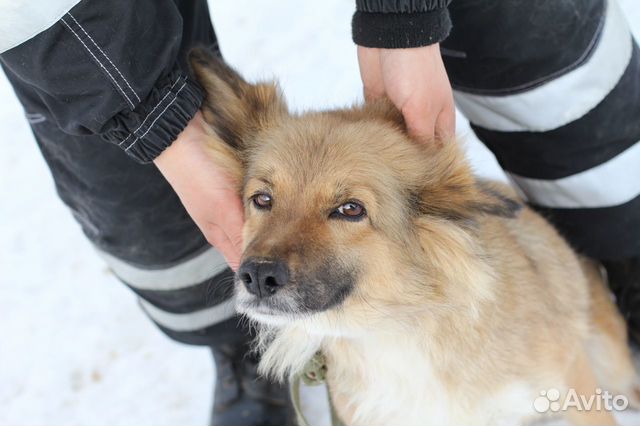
263, 277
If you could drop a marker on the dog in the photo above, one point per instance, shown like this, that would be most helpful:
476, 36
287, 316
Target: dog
436, 297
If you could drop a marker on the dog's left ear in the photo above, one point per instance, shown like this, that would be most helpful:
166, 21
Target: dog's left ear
449, 188
446, 186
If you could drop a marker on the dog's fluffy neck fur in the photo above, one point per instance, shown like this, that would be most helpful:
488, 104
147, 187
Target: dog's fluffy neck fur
400, 368
416, 339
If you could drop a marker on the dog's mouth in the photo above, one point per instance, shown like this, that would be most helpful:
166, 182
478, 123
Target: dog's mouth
262, 306
297, 297
269, 310
265, 313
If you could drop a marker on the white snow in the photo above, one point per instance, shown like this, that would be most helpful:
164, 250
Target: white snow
74, 347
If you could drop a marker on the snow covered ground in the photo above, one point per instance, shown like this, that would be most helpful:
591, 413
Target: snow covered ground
74, 347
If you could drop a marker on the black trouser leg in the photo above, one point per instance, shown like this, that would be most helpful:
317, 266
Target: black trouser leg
553, 89
134, 218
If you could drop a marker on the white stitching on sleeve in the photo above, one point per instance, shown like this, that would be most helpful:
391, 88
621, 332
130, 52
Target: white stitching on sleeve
98, 61
156, 119
105, 55
151, 112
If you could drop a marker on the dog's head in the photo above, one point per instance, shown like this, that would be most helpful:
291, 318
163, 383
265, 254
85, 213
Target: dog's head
343, 210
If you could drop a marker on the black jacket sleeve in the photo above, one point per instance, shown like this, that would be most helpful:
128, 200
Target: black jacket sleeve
113, 68
393, 24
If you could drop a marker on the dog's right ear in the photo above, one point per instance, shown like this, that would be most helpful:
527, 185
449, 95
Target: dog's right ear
234, 109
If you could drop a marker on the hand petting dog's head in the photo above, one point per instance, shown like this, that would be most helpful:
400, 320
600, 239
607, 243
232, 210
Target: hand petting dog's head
339, 204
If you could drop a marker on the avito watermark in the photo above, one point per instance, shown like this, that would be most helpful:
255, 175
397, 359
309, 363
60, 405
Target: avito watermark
549, 401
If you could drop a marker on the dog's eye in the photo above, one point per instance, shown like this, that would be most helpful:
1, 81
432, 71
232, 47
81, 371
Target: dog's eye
350, 211
262, 201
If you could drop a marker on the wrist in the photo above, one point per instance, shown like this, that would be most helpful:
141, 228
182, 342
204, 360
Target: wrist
400, 30
184, 162
187, 141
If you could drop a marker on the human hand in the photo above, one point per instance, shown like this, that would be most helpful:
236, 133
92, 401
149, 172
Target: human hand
416, 81
207, 193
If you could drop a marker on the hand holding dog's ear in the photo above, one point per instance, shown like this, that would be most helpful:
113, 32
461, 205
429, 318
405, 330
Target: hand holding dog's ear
204, 164
416, 82
206, 190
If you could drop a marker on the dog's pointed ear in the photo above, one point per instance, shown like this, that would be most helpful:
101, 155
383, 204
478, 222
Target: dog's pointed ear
235, 110
446, 185
451, 190
385, 110
381, 109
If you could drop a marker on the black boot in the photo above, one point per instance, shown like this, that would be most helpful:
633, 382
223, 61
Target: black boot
624, 280
244, 398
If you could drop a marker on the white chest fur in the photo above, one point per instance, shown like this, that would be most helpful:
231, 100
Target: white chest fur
396, 383
394, 379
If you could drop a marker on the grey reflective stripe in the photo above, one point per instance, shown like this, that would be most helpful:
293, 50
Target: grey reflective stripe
191, 321
184, 274
612, 183
565, 98
21, 20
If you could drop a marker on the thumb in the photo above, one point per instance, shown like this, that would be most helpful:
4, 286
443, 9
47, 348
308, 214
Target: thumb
445, 126
219, 239
419, 119
371, 72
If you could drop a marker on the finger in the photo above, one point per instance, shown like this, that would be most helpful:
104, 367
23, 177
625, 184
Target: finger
420, 120
234, 236
371, 72
218, 239
445, 126
233, 221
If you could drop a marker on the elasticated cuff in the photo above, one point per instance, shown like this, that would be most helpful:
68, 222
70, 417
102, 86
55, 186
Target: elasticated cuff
400, 30
146, 131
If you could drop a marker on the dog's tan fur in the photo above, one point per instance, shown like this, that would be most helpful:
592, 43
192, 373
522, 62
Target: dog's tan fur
464, 307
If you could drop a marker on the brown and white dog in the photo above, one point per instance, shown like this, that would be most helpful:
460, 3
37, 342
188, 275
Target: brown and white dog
437, 298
